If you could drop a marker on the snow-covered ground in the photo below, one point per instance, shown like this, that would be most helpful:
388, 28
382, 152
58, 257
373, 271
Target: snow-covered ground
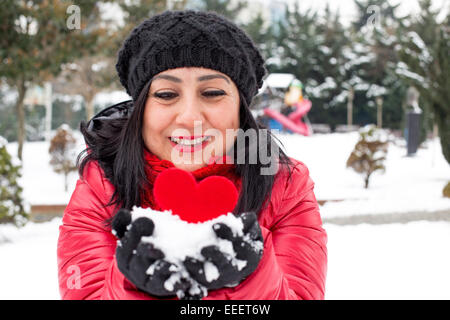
28, 268
390, 261
410, 184
41, 185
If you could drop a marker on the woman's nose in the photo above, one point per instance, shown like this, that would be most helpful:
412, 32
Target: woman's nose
189, 112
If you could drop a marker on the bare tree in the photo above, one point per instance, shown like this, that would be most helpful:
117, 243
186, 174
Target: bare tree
63, 153
369, 153
87, 77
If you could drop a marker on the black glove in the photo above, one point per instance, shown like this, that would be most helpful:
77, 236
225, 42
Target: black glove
134, 258
248, 248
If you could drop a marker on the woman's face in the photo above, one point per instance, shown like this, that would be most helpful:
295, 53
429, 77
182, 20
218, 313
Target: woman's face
191, 116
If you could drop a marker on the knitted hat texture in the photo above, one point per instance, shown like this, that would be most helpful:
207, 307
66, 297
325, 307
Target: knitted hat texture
189, 38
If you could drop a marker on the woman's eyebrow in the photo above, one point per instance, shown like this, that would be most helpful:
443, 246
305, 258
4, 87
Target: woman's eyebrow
212, 76
178, 80
167, 77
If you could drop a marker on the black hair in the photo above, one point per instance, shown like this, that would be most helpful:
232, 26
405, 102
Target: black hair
118, 147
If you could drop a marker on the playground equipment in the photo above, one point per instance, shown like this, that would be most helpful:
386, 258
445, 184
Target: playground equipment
293, 121
284, 109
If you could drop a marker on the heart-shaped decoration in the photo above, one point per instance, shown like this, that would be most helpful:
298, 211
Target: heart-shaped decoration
175, 189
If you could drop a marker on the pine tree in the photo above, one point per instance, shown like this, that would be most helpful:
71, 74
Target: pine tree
369, 152
11, 201
297, 41
62, 152
371, 62
312, 47
425, 64
223, 7
327, 90
373, 12
262, 34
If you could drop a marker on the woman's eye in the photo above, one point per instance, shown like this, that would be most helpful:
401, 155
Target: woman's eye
214, 93
165, 95
169, 95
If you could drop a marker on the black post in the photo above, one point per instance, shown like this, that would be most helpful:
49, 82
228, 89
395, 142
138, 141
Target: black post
413, 133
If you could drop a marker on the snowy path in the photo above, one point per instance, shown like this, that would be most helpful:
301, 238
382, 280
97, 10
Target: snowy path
404, 217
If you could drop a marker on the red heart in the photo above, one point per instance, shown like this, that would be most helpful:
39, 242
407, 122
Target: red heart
175, 189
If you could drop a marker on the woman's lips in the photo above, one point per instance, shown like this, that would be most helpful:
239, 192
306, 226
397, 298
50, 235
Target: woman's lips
190, 148
188, 137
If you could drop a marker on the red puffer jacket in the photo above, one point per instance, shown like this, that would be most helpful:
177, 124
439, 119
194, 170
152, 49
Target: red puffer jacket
293, 265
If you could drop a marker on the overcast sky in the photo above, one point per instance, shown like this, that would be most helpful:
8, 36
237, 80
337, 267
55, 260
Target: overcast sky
347, 7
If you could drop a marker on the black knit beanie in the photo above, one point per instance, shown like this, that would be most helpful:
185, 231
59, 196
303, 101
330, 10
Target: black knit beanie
189, 38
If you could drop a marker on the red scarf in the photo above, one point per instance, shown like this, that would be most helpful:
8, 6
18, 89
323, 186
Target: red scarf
155, 165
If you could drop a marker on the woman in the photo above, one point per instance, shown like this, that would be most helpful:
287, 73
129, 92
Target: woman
195, 73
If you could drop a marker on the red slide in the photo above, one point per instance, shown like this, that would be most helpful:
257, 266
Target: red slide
293, 121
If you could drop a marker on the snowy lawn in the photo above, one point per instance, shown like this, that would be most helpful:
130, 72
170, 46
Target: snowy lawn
28, 268
392, 261
410, 184
41, 185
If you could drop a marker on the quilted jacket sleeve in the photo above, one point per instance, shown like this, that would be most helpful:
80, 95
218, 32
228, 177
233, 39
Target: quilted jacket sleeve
299, 240
86, 263
294, 262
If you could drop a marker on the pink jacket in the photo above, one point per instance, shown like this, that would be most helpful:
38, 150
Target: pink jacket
293, 266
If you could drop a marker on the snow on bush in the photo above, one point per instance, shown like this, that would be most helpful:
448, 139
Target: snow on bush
11, 202
370, 152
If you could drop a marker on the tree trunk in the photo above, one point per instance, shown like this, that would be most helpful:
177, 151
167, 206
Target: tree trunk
89, 108
65, 181
20, 111
379, 101
351, 94
366, 181
68, 115
443, 123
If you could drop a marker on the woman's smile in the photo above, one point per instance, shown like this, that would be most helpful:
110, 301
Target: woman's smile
189, 144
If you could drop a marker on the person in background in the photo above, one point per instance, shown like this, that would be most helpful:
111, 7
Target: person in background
293, 97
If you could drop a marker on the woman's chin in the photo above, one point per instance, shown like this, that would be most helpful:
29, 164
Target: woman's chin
190, 166
190, 161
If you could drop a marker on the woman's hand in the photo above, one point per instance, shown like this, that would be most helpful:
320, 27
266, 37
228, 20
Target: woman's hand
141, 263
248, 249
